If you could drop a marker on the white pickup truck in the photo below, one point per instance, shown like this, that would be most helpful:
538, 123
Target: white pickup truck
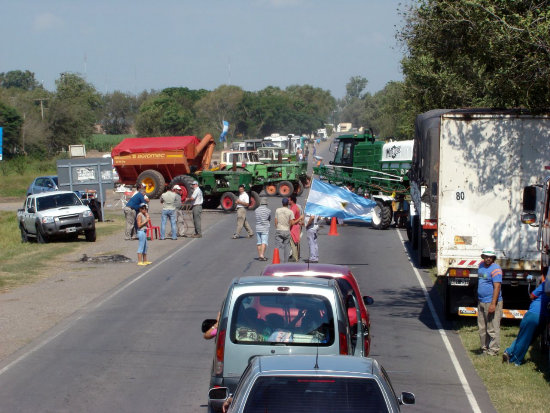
54, 215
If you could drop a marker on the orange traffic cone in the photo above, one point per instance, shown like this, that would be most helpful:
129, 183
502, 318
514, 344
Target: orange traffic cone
333, 229
276, 259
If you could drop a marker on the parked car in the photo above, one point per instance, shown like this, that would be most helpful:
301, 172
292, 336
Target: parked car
43, 184
278, 316
348, 285
339, 384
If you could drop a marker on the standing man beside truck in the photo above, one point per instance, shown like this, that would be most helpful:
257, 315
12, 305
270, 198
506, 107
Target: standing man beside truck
131, 210
197, 199
489, 311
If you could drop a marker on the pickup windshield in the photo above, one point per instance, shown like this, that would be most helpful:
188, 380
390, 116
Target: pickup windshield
57, 201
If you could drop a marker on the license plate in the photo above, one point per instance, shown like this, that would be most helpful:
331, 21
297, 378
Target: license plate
460, 282
71, 229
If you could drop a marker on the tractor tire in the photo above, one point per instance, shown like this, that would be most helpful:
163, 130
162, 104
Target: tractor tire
381, 216
228, 201
185, 182
41, 238
154, 183
285, 188
270, 189
24, 237
90, 235
254, 200
298, 188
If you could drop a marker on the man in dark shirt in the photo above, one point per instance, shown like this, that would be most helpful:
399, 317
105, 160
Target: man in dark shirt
132, 208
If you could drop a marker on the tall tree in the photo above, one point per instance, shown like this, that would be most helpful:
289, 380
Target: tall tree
11, 122
18, 79
219, 105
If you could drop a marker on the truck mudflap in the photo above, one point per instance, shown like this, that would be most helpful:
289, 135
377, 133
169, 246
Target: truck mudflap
511, 314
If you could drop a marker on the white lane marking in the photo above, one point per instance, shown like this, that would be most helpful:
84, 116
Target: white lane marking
465, 385
85, 310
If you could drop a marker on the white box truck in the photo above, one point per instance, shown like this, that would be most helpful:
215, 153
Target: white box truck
467, 177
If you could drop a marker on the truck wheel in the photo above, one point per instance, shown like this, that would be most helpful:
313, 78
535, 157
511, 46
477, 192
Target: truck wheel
254, 200
298, 188
154, 183
40, 237
228, 201
90, 235
381, 216
270, 189
285, 188
185, 182
24, 237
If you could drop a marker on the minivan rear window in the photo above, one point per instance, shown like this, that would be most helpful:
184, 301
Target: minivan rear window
315, 394
297, 319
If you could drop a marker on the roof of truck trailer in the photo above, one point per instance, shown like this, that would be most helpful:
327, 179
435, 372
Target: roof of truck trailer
156, 144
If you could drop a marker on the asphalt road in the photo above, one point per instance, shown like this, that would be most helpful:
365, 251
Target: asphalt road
139, 348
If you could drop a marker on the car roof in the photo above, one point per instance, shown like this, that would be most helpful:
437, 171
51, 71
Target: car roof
46, 176
51, 193
305, 364
259, 280
304, 270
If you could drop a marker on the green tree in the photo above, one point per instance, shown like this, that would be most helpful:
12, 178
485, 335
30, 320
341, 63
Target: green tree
119, 111
355, 87
11, 123
19, 79
221, 104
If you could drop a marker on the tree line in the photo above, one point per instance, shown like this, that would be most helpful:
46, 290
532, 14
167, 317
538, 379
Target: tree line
456, 53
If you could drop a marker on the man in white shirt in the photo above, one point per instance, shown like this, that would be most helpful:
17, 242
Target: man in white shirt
242, 204
196, 199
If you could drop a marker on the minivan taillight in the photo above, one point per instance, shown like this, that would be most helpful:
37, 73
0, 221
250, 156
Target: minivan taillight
220, 348
343, 344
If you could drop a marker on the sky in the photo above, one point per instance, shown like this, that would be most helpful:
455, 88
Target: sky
136, 45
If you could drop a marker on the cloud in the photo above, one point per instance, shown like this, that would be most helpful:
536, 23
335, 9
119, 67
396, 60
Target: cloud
46, 21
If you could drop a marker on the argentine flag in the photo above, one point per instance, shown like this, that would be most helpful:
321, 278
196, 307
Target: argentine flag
332, 201
224, 131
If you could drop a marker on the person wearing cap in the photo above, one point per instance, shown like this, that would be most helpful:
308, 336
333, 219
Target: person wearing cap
489, 310
168, 201
142, 220
196, 199
263, 218
283, 220
132, 208
242, 204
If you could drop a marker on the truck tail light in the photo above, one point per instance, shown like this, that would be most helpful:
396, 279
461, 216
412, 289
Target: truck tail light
459, 272
220, 349
343, 344
430, 224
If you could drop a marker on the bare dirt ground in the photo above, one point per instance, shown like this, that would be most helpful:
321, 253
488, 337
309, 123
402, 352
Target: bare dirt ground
30, 310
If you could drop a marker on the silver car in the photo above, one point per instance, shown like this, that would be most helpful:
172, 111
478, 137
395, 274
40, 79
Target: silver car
312, 384
279, 316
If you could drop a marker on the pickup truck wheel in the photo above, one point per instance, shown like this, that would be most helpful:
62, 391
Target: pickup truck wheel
270, 189
381, 216
228, 201
254, 200
154, 183
285, 188
24, 237
40, 237
90, 235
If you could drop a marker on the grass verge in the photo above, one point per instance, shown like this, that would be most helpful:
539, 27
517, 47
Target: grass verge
24, 263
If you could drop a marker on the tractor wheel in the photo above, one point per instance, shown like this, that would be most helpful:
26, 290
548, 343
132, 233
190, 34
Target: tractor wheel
228, 201
298, 188
285, 188
270, 189
254, 200
381, 216
184, 181
154, 183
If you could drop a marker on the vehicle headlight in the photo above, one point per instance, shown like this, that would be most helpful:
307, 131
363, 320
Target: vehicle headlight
87, 214
47, 220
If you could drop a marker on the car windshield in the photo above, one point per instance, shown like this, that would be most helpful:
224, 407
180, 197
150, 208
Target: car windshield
57, 201
299, 319
315, 394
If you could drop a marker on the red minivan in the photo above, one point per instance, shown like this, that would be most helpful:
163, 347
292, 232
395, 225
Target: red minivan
345, 279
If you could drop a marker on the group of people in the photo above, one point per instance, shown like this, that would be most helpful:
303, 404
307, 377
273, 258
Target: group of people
490, 306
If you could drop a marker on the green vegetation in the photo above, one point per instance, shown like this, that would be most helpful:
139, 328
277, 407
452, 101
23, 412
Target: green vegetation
104, 143
24, 263
18, 173
511, 388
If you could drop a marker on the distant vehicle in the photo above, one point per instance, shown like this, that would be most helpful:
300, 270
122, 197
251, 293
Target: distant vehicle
271, 154
43, 184
241, 158
328, 384
348, 285
253, 144
238, 146
268, 315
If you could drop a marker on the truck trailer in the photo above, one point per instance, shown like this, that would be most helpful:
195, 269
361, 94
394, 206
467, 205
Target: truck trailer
467, 177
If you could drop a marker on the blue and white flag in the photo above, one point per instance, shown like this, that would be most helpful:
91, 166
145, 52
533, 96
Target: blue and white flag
328, 200
224, 131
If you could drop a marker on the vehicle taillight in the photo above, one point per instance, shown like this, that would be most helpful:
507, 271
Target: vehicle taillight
343, 344
220, 348
459, 272
430, 224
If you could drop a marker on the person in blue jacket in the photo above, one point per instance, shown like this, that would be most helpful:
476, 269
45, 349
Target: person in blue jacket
535, 317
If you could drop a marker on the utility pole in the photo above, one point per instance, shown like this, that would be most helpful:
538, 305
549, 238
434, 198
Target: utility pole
41, 105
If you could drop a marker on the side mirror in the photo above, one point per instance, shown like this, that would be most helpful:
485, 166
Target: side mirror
368, 300
207, 324
406, 398
219, 393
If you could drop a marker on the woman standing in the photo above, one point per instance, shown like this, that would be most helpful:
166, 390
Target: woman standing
142, 221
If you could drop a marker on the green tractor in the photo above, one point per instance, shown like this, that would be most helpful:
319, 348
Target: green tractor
373, 168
